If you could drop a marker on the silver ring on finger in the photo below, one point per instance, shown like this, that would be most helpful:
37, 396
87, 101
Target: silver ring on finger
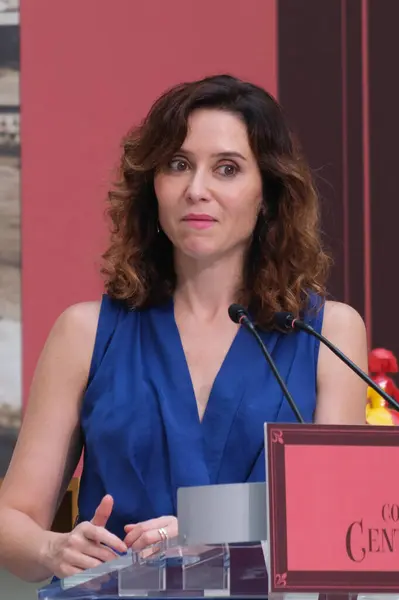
163, 533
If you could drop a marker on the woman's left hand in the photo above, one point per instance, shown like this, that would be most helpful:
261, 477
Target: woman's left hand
144, 534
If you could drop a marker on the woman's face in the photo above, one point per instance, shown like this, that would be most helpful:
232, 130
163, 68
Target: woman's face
210, 193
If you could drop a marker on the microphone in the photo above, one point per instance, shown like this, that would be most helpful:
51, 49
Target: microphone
287, 322
239, 315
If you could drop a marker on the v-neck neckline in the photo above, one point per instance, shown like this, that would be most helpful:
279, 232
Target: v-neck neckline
227, 360
204, 441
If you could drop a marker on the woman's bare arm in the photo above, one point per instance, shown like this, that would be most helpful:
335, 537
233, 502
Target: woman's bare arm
48, 446
342, 395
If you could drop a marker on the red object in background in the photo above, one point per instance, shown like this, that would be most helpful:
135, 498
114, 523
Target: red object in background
382, 362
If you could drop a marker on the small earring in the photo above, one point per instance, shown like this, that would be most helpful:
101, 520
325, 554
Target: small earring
158, 227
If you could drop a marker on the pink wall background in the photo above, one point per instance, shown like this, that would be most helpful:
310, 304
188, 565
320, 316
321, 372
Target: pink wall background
90, 70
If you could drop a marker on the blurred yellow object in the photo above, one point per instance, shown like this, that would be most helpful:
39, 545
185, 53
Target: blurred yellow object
376, 411
378, 416
374, 398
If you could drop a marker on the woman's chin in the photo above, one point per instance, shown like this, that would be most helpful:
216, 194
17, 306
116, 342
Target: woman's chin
199, 251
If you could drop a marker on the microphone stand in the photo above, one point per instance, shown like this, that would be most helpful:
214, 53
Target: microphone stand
239, 315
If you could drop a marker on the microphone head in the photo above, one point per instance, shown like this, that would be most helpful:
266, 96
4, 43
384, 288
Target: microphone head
236, 312
284, 321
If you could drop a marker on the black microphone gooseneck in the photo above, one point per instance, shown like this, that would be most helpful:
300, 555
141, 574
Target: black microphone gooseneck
239, 315
287, 322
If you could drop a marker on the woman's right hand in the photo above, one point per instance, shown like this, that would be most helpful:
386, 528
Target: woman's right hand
88, 545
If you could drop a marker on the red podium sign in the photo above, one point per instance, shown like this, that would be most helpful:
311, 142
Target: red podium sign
333, 508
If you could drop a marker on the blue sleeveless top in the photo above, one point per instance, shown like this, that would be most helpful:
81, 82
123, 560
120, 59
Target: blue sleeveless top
142, 435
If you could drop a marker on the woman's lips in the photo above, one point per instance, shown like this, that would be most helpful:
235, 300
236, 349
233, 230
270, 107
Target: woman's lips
199, 221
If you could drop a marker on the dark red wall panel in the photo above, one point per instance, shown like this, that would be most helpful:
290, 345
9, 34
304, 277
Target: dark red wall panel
384, 198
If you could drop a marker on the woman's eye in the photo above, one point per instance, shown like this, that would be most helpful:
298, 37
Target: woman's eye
178, 164
228, 170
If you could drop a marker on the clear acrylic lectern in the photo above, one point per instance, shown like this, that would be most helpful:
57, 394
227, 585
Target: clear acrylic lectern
172, 571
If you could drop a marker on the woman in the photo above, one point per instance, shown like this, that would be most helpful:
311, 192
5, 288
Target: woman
214, 205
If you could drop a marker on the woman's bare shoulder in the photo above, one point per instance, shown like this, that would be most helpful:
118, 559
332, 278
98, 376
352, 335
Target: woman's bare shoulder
342, 316
82, 316
73, 333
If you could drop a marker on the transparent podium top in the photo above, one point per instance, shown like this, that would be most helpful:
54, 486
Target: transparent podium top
172, 570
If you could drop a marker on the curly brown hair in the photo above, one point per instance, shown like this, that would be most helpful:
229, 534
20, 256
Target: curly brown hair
285, 264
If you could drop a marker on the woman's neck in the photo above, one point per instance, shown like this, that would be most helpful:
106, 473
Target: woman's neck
207, 288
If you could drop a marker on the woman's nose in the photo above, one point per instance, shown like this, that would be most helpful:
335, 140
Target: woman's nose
198, 189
